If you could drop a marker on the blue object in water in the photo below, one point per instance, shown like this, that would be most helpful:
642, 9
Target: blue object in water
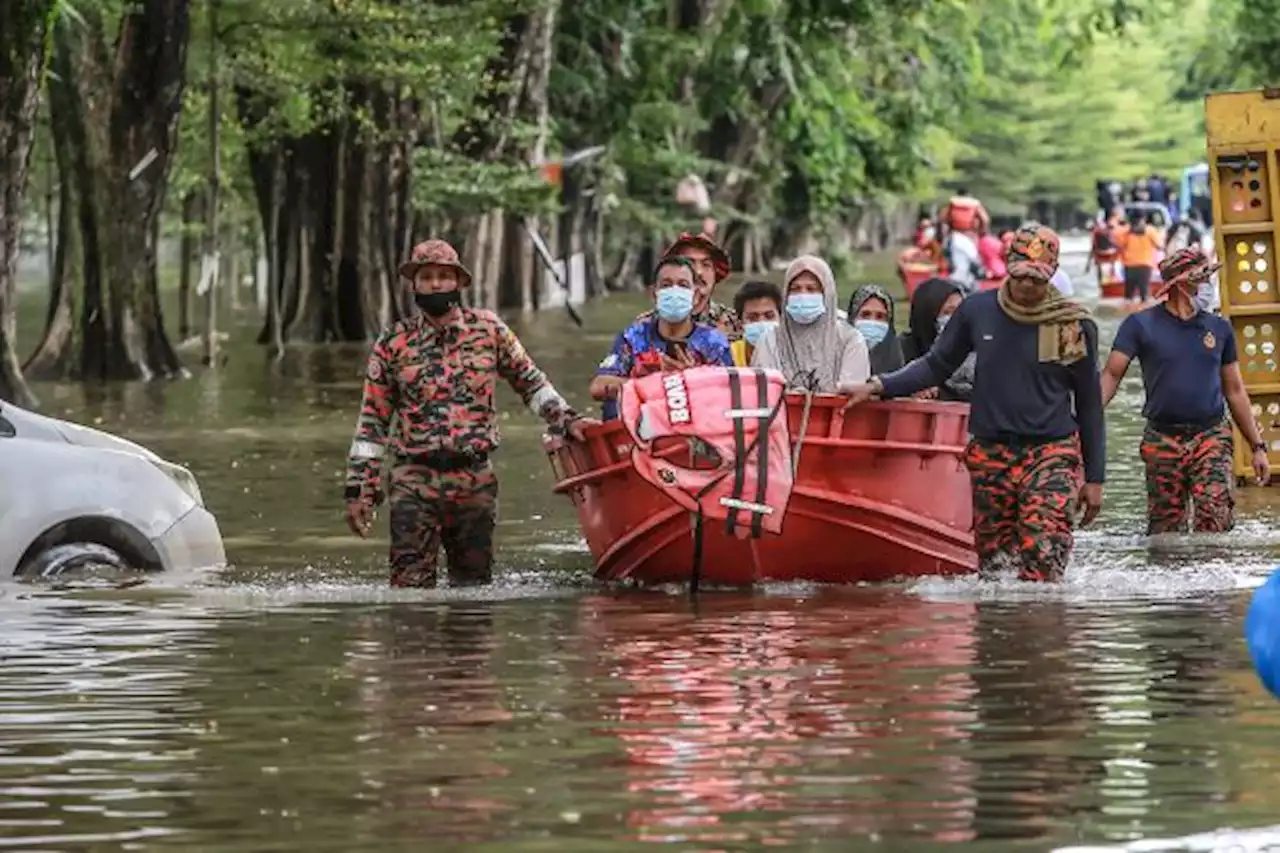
1262, 633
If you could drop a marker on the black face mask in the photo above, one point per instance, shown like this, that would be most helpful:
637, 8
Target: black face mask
437, 304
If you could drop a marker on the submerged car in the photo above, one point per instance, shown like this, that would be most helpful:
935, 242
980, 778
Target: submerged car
72, 497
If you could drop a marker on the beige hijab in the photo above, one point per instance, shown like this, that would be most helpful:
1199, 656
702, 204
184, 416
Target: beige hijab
833, 351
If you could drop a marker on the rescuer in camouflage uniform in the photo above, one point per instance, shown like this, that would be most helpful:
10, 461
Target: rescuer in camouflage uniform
711, 266
436, 373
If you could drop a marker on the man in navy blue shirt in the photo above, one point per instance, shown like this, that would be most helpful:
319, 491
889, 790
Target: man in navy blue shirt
1036, 410
1190, 370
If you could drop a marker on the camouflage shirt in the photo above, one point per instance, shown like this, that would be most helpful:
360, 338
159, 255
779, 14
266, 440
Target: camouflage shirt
439, 384
720, 316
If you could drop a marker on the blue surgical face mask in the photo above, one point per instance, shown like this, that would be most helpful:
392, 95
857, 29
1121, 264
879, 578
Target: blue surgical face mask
873, 331
675, 304
805, 308
753, 332
942, 322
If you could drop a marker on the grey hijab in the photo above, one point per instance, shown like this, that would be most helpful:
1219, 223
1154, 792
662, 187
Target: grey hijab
829, 349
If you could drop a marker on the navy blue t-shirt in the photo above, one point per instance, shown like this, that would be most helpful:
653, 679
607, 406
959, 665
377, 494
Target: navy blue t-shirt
1181, 361
1014, 393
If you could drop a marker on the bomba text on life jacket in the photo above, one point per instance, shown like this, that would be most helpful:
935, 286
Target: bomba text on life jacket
677, 399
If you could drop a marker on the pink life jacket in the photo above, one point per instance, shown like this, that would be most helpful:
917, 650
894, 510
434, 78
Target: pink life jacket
738, 411
991, 253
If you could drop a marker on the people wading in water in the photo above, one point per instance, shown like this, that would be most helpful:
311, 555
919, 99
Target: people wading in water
710, 267
1190, 371
1036, 410
435, 374
812, 347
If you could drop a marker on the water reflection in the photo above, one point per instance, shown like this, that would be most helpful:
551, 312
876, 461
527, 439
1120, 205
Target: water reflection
771, 720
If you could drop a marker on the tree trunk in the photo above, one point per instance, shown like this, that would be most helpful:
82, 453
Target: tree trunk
52, 359
24, 28
213, 250
186, 257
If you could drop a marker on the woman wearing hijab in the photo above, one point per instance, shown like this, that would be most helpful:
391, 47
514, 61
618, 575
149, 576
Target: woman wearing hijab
932, 305
811, 346
871, 313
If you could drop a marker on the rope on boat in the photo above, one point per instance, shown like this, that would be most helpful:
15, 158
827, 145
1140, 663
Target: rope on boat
810, 383
695, 572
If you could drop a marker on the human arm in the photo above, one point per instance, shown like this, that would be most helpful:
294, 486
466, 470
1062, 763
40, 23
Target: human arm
1242, 410
369, 446
1093, 433
1126, 347
855, 362
942, 360
613, 371
517, 367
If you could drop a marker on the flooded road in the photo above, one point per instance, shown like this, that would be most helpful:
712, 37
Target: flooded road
293, 702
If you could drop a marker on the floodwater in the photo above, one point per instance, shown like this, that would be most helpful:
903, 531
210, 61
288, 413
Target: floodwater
292, 702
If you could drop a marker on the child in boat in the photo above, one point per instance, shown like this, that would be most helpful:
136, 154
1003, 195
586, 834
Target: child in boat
812, 348
669, 340
871, 313
932, 305
759, 305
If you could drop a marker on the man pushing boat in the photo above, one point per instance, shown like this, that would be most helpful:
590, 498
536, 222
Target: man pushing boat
1191, 371
1036, 411
435, 372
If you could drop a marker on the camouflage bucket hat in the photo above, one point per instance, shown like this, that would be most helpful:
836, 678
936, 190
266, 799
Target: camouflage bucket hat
1033, 252
719, 258
1189, 267
435, 253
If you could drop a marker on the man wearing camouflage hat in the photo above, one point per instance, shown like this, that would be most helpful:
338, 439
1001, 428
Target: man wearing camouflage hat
435, 373
1191, 372
1035, 410
711, 266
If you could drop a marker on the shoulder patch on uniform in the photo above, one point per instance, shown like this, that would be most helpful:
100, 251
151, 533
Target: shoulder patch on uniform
1209, 340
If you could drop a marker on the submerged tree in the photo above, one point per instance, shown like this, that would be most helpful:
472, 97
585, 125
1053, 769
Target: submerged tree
24, 32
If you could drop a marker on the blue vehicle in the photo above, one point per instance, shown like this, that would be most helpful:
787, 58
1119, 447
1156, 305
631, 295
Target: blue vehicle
1194, 197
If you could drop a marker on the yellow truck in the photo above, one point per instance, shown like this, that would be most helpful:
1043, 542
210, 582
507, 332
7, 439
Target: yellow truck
1242, 131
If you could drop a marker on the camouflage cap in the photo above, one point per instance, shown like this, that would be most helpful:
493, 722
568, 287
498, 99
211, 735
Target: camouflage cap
1189, 267
719, 258
435, 253
1033, 252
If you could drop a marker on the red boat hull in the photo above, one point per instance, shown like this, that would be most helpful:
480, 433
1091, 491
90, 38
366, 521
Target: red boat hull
881, 493
915, 267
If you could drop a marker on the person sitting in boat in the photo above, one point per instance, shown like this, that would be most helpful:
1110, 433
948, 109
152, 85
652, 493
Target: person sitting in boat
811, 346
710, 266
1191, 373
1036, 416
759, 305
668, 340
871, 312
932, 306
964, 261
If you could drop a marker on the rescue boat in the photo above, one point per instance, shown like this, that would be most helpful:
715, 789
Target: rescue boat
916, 266
878, 492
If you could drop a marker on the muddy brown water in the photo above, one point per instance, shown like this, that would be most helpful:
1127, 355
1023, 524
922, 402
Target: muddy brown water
292, 702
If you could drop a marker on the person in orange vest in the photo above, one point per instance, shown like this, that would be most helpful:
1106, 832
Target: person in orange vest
965, 214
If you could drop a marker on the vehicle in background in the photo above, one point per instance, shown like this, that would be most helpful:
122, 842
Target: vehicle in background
1195, 195
74, 498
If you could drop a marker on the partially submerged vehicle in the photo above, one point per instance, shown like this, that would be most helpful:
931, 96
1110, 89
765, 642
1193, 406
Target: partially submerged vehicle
74, 498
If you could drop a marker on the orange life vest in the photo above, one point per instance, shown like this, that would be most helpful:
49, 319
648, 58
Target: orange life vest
962, 213
741, 414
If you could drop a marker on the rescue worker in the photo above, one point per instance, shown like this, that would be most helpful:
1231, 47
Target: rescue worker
1190, 368
668, 340
966, 215
1036, 409
1139, 244
812, 347
711, 266
435, 373
759, 305
871, 313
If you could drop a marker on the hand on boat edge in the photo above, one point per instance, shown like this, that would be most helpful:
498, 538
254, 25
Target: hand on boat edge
1089, 502
863, 392
577, 428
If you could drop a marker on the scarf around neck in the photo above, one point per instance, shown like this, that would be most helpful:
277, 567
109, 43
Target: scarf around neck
1061, 339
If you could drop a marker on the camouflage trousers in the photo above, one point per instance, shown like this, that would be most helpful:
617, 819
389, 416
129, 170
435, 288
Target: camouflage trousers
430, 509
1024, 497
1189, 475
